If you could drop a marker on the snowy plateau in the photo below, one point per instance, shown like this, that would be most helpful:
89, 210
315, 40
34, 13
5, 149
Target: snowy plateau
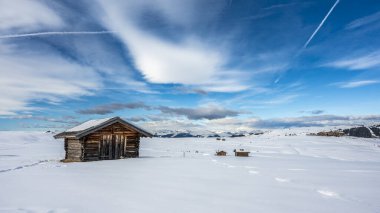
297, 173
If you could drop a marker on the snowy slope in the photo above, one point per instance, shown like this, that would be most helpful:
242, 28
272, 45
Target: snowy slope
284, 174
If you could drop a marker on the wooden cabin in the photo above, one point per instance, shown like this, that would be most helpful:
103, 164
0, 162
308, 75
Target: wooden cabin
241, 153
102, 139
221, 153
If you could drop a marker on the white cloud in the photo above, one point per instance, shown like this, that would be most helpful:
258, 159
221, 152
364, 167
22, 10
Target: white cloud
188, 61
164, 62
32, 71
209, 112
177, 124
250, 123
354, 84
267, 102
318, 120
364, 21
36, 74
281, 100
231, 124
26, 15
30, 76
97, 53
366, 61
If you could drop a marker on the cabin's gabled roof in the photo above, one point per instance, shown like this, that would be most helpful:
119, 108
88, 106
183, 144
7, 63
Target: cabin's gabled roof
91, 126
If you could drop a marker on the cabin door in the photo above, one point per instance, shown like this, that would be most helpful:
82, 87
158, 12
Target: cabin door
105, 147
110, 147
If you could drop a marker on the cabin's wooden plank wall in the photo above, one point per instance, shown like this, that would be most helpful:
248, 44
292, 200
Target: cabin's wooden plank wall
132, 147
73, 149
65, 146
112, 142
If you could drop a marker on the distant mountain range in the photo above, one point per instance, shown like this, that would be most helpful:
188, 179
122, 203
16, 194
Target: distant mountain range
364, 132
361, 132
203, 134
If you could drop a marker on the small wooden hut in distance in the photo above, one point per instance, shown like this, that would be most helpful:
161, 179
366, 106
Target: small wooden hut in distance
102, 139
241, 153
221, 153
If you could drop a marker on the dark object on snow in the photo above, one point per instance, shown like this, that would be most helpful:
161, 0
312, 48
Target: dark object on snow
178, 135
346, 131
256, 133
375, 130
185, 135
237, 135
221, 153
331, 133
102, 139
241, 153
362, 132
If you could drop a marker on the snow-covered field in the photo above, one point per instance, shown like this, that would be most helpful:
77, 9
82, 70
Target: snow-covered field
284, 174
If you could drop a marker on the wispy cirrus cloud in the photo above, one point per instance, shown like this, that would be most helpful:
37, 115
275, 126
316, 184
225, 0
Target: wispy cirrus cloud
281, 100
247, 124
136, 119
354, 84
62, 119
366, 61
25, 80
209, 112
319, 120
30, 15
110, 108
288, 122
313, 112
52, 70
372, 19
31, 72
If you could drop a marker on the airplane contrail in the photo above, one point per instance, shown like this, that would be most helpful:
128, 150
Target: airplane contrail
321, 24
299, 52
54, 33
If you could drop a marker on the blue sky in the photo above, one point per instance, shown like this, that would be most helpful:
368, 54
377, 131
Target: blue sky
206, 64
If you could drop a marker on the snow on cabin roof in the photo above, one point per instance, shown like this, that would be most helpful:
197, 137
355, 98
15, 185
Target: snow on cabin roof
93, 125
88, 124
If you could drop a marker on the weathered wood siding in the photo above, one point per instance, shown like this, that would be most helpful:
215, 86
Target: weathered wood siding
73, 149
112, 142
241, 154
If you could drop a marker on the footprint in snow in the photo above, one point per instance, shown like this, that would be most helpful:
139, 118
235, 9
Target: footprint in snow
328, 194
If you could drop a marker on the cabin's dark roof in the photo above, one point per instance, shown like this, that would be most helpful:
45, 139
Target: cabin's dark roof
91, 126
